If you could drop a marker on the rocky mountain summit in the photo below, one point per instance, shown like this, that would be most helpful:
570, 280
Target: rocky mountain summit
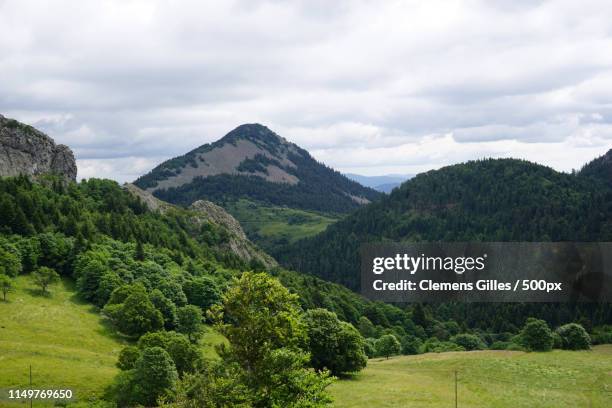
25, 150
255, 163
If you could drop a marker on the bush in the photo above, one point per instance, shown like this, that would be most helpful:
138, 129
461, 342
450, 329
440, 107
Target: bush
602, 335
411, 345
500, 345
468, 341
536, 335
387, 346
574, 337
433, 345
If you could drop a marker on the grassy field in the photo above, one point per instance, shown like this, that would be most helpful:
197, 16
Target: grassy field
491, 379
268, 225
67, 342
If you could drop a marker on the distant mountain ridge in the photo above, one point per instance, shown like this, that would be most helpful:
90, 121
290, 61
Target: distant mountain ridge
253, 162
384, 183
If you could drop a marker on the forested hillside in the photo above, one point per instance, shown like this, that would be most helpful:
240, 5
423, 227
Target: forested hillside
485, 200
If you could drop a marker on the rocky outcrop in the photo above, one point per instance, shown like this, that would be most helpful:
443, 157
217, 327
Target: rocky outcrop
238, 243
25, 150
203, 211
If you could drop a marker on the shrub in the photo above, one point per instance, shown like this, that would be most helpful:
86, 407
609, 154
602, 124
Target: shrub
574, 337
411, 345
468, 341
536, 335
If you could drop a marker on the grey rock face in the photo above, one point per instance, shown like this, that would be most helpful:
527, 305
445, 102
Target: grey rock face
25, 150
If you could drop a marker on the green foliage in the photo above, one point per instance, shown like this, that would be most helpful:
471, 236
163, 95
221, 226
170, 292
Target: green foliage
468, 341
574, 337
166, 307
44, 277
388, 345
6, 285
334, 345
536, 335
132, 312
433, 345
186, 356
190, 321
262, 323
202, 291
411, 344
128, 357
154, 375
10, 262
602, 335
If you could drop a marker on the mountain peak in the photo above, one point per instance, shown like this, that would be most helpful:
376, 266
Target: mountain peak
253, 162
256, 133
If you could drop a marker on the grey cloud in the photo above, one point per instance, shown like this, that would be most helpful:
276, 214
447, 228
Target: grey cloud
128, 84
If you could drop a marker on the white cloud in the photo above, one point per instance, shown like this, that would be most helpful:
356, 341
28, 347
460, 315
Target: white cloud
377, 87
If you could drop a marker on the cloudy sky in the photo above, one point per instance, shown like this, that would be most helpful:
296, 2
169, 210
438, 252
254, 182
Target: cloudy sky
368, 87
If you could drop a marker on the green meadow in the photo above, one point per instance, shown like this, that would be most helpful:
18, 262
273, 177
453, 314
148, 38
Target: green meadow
65, 340
491, 379
270, 226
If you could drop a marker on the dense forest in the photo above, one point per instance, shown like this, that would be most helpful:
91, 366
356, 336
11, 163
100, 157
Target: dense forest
319, 188
485, 200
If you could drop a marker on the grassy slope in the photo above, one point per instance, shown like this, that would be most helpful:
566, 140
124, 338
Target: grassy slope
268, 224
492, 379
65, 340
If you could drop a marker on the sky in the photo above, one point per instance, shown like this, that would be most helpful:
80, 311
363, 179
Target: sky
368, 87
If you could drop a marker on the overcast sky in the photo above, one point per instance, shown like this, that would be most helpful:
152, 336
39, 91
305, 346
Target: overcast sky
367, 87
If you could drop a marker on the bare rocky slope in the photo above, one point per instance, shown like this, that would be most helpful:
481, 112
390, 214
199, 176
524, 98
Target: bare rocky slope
27, 151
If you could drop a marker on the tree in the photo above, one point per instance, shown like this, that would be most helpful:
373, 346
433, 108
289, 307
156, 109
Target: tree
411, 344
366, 327
184, 354
261, 320
44, 277
6, 285
166, 308
154, 375
10, 263
190, 321
333, 344
202, 291
574, 337
133, 314
536, 335
128, 357
388, 345
468, 341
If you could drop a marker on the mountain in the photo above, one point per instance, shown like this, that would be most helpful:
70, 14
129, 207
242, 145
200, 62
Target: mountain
255, 163
599, 169
385, 183
484, 200
27, 151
